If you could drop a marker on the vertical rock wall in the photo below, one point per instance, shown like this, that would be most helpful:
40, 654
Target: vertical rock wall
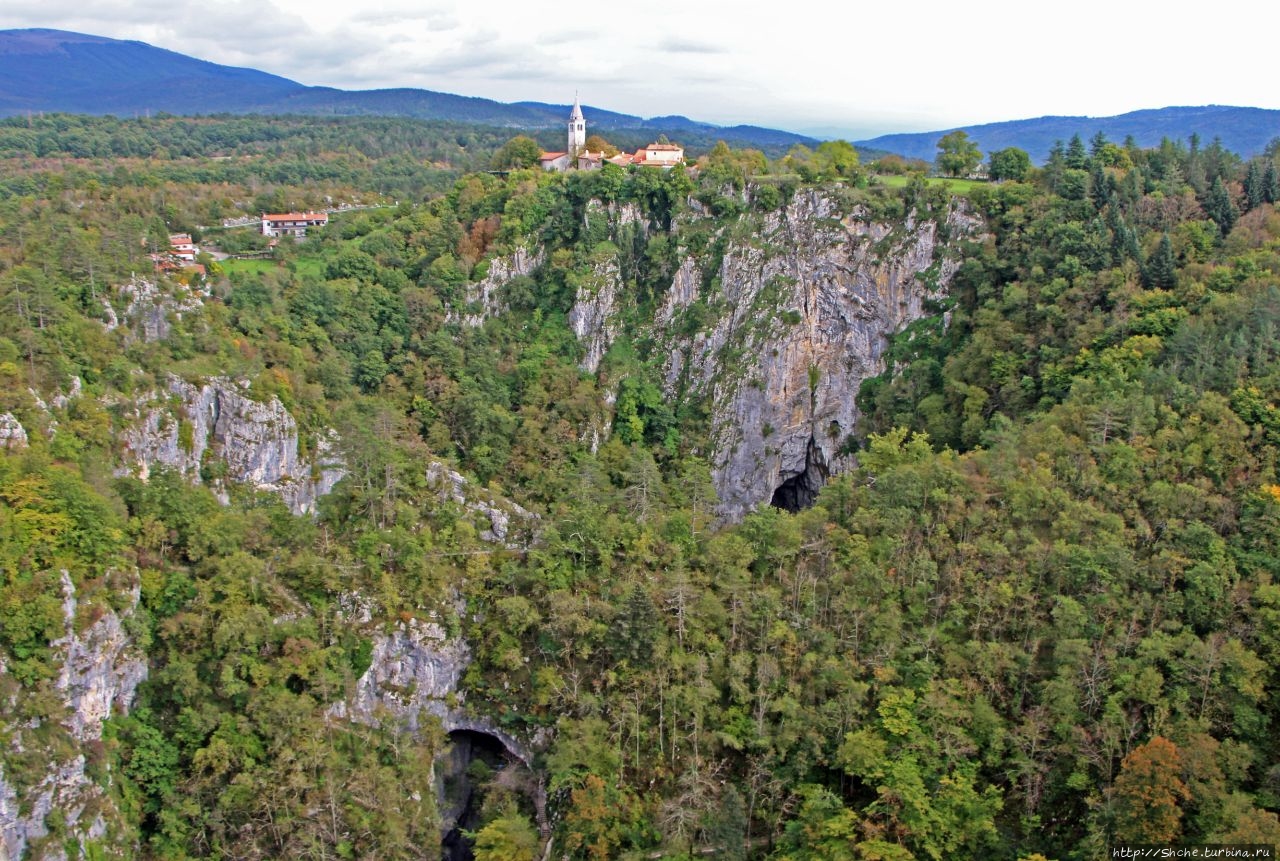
254, 442
802, 313
99, 670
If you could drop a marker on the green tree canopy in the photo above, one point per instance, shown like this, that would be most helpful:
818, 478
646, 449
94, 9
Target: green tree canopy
1009, 163
520, 151
957, 154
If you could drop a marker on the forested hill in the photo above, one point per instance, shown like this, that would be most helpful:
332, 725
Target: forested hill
53, 70
57, 71
1243, 130
412, 534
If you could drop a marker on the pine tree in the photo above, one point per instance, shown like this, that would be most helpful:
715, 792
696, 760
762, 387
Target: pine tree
1101, 187
1161, 269
1253, 190
1220, 207
1077, 156
1097, 144
1270, 183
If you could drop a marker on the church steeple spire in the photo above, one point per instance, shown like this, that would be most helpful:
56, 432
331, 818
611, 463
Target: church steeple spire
577, 130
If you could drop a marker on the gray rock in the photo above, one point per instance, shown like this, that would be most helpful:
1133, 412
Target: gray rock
150, 309
100, 669
13, 435
414, 672
498, 513
256, 441
804, 313
485, 294
593, 317
99, 673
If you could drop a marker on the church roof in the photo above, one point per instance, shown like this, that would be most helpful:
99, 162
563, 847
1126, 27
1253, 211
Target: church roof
577, 109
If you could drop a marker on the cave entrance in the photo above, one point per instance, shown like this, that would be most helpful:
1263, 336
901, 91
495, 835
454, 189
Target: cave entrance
462, 775
801, 490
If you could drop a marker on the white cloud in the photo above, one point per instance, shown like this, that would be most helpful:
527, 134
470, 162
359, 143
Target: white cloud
874, 66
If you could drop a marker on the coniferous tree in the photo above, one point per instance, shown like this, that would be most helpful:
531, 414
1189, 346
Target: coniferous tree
1097, 144
1101, 186
1220, 207
1077, 156
1161, 270
1055, 165
1270, 183
1253, 189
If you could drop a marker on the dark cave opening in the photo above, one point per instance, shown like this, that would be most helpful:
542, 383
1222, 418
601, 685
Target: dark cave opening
462, 775
801, 490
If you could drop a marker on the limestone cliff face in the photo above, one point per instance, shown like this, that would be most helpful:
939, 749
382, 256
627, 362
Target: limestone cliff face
149, 310
415, 673
13, 435
254, 442
99, 672
593, 317
484, 297
802, 314
790, 318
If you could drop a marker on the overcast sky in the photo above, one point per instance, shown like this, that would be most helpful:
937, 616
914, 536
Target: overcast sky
861, 69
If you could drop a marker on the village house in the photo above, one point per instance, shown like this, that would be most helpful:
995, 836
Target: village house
181, 256
293, 224
660, 154
181, 246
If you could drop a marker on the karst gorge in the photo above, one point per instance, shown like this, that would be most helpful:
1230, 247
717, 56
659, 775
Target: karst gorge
773, 505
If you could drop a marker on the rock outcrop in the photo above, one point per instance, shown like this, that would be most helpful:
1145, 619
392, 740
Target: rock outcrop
99, 672
252, 442
484, 297
150, 311
801, 316
13, 435
502, 521
414, 673
593, 317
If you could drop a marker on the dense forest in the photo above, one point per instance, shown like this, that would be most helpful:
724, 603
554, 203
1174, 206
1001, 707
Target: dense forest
1040, 617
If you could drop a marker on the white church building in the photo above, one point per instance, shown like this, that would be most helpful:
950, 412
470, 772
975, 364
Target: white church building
576, 155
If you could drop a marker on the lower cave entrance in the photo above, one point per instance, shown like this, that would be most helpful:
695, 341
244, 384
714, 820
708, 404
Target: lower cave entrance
801, 490
462, 774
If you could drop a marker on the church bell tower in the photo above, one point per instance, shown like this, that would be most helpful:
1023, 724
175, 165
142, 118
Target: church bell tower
577, 130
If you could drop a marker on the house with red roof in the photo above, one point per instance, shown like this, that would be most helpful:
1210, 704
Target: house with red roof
293, 224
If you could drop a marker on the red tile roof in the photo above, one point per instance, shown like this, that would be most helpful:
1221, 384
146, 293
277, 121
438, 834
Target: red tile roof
295, 216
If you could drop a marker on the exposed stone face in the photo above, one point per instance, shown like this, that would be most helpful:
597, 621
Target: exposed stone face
99, 673
804, 312
593, 317
13, 435
415, 670
150, 310
486, 293
505, 521
257, 442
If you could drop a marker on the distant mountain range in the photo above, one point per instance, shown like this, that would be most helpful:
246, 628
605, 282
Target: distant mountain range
57, 71
1245, 131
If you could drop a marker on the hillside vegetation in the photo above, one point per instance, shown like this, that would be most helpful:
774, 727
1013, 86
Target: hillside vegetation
1039, 617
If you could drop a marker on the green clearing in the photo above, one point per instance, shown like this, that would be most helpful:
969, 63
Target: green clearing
313, 266
256, 266
955, 186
